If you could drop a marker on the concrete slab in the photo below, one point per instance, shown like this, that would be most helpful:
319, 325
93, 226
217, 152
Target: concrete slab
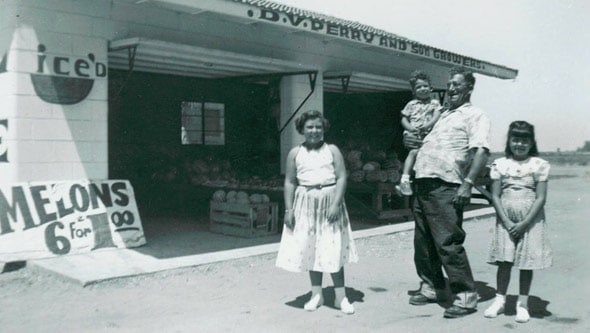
110, 264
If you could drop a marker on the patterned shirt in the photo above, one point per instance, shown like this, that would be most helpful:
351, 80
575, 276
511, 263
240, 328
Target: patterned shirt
520, 174
418, 112
446, 150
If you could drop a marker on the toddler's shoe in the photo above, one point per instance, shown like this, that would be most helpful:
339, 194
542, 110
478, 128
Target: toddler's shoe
522, 313
314, 302
495, 309
345, 306
404, 188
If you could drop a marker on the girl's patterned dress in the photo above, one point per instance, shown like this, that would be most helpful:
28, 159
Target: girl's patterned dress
519, 180
315, 243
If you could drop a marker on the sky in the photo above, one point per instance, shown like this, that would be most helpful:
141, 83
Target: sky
548, 41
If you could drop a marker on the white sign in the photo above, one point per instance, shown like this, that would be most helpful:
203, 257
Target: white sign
48, 219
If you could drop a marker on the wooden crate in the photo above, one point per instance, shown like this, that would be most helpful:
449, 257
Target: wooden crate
244, 220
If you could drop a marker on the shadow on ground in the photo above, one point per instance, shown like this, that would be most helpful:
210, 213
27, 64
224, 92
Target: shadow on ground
485, 293
354, 296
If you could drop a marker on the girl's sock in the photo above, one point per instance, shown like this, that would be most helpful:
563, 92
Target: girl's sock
339, 293
522, 311
316, 300
524, 300
315, 290
341, 302
496, 307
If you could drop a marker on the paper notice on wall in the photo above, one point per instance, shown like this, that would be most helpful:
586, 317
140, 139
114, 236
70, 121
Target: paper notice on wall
48, 219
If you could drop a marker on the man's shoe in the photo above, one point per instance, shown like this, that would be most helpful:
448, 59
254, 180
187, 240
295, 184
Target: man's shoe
458, 312
420, 299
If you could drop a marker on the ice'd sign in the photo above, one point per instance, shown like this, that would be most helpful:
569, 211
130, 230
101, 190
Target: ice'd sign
69, 80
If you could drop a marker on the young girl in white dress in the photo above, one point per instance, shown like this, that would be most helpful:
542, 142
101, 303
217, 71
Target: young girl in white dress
316, 236
520, 238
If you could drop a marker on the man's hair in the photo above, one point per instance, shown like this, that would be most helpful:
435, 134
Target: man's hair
467, 74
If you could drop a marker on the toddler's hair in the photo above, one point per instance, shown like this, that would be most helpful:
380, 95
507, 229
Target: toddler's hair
418, 75
521, 129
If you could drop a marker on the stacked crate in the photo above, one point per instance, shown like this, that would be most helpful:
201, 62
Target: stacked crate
244, 219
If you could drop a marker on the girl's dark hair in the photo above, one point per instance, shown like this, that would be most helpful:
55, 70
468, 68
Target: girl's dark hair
521, 129
312, 114
418, 75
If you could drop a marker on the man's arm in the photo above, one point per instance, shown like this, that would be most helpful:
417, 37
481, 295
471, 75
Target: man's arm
411, 141
480, 158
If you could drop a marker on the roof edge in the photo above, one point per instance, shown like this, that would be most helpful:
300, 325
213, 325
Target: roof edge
314, 22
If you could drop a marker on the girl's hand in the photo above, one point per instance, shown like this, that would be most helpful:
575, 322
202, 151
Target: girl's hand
518, 230
509, 225
289, 219
333, 213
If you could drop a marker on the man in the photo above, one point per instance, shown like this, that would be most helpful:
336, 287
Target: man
450, 158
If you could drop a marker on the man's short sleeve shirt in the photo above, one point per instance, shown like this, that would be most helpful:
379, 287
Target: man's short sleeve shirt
446, 150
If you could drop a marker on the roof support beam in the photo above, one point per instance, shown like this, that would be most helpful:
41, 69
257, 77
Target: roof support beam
312, 80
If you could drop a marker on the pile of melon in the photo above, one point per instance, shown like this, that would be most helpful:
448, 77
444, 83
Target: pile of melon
239, 197
372, 166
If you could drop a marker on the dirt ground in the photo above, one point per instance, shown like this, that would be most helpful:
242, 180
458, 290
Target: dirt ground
248, 295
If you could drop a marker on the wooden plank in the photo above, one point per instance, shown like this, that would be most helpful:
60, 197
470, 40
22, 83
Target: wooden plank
229, 230
231, 207
240, 221
244, 220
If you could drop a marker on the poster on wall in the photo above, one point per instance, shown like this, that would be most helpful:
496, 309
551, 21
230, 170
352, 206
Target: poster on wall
49, 219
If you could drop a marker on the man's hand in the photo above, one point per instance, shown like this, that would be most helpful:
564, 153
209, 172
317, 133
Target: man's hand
411, 141
463, 196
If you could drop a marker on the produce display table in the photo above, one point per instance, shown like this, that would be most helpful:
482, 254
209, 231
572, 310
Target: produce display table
373, 198
380, 194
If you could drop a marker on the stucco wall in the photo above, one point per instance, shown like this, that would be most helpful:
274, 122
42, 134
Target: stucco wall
54, 90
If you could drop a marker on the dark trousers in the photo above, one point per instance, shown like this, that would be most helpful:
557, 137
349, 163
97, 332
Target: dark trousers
439, 236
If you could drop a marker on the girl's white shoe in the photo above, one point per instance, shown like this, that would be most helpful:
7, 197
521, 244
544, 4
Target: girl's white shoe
495, 309
314, 302
345, 306
522, 313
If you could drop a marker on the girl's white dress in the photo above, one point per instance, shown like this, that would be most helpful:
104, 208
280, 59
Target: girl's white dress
519, 180
315, 243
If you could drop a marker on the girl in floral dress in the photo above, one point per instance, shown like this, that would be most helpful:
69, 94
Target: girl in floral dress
317, 236
520, 238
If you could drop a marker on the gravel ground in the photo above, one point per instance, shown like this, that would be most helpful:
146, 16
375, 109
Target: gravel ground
250, 294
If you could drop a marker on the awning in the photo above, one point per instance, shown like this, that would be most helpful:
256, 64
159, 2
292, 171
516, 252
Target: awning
232, 38
155, 56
